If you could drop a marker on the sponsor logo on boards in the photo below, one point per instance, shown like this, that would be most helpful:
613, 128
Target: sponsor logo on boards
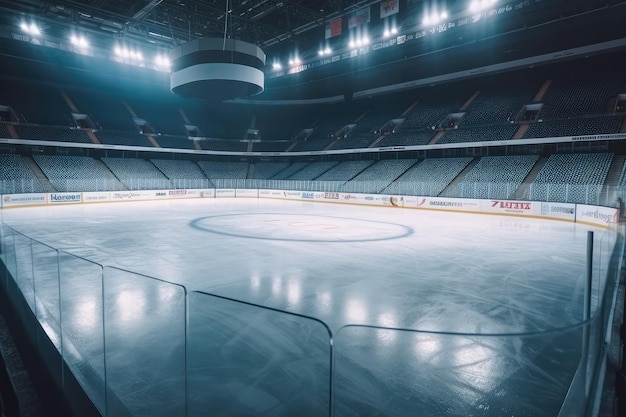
308, 196
511, 205
177, 192
125, 196
598, 215
65, 198
446, 203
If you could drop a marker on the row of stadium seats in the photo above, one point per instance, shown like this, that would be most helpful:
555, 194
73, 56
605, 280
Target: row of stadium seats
571, 177
494, 177
577, 103
564, 177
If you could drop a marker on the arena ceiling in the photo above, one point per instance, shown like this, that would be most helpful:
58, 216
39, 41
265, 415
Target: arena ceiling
263, 22
280, 26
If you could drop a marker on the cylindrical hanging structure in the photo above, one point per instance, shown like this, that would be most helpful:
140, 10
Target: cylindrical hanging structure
217, 69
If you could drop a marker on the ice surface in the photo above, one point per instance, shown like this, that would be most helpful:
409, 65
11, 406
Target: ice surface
424, 271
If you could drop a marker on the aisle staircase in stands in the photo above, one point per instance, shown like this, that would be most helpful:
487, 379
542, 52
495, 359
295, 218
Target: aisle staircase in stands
459, 177
612, 179
519, 194
45, 182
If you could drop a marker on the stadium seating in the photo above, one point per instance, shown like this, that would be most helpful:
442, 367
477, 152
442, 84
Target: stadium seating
313, 170
379, 175
182, 173
163, 116
266, 170
224, 170
574, 127
479, 133
330, 120
4, 133
35, 102
16, 177
406, 137
223, 145
128, 138
497, 105
271, 146
290, 170
582, 93
429, 177
494, 177
108, 112
344, 171
174, 142
571, 178
77, 173
137, 174
61, 134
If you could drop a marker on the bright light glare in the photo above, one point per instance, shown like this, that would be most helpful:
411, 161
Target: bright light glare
79, 41
366, 40
30, 28
352, 44
277, 66
394, 31
162, 61
324, 51
386, 33
434, 18
478, 5
34, 29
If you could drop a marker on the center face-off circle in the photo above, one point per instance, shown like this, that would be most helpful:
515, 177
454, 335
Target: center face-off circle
300, 228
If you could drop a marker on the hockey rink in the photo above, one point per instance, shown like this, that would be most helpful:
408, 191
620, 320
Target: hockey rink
407, 312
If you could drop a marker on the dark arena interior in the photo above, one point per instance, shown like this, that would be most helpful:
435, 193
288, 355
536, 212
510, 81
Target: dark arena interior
469, 259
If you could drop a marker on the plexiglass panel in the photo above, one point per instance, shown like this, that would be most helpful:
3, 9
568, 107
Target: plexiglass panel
145, 345
246, 360
82, 326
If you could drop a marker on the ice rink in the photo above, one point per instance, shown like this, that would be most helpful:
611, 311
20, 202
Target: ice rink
458, 285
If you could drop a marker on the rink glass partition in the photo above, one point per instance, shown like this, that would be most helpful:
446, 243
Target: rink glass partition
140, 346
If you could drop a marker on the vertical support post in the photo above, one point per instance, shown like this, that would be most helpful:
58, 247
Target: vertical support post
587, 303
587, 313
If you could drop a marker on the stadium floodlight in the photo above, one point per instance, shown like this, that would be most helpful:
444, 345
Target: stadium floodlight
394, 30
162, 62
328, 51
386, 33
480, 5
434, 18
365, 40
352, 43
79, 41
30, 28
276, 66
320, 52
